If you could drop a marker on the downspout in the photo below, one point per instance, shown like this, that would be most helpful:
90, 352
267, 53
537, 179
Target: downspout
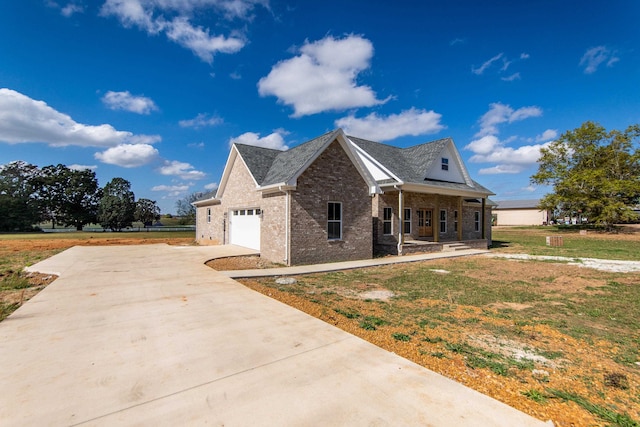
287, 222
400, 220
460, 216
484, 231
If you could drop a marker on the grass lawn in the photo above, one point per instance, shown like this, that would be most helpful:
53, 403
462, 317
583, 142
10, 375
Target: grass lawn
532, 240
559, 342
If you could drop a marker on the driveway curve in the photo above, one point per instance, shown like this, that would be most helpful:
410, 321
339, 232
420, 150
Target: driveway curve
148, 335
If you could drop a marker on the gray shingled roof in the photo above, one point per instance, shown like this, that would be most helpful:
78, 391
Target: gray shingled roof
270, 167
259, 160
287, 163
409, 164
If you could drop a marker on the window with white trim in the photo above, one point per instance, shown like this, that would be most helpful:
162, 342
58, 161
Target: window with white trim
387, 215
445, 164
208, 215
443, 221
476, 220
407, 221
334, 221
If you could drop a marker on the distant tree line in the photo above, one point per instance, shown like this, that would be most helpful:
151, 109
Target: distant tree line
66, 197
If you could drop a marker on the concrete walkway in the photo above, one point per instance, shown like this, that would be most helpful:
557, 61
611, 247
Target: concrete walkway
148, 335
347, 265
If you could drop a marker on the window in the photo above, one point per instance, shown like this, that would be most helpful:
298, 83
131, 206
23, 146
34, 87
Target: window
445, 164
443, 221
407, 221
334, 221
476, 220
242, 212
208, 215
387, 214
455, 220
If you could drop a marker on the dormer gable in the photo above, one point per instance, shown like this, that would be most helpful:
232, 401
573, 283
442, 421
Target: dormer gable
447, 166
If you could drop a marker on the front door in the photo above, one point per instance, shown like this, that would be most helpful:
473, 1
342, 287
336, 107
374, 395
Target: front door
425, 228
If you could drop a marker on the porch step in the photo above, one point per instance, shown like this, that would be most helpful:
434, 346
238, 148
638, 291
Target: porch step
452, 247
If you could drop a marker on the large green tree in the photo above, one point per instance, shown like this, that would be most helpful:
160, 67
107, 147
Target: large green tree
19, 208
593, 172
68, 196
117, 205
146, 211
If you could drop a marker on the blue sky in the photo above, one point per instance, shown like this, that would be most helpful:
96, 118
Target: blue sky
154, 91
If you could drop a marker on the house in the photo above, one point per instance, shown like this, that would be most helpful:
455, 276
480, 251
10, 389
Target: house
339, 198
520, 212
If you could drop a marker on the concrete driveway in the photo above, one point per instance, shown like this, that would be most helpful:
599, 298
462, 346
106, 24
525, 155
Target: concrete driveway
148, 335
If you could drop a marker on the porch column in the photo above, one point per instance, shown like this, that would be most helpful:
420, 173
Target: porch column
400, 222
435, 220
460, 216
482, 216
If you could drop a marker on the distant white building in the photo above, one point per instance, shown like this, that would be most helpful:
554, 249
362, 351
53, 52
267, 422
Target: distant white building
520, 212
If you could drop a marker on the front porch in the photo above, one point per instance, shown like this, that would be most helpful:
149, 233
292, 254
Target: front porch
415, 246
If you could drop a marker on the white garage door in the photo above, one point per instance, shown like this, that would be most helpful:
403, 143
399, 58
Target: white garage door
245, 228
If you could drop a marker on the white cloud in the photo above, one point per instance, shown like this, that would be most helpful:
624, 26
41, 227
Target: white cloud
409, 122
199, 41
68, 10
481, 69
500, 113
211, 186
170, 188
547, 135
488, 148
501, 169
200, 121
128, 155
595, 57
512, 77
524, 55
323, 77
25, 120
484, 145
457, 41
71, 8
529, 189
274, 140
127, 102
196, 145
181, 169
76, 167
524, 155
173, 18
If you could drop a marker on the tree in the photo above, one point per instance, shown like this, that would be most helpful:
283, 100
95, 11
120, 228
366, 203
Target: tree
50, 189
19, 209
81, 198
146, 211
68, 197
186, 210
117, 206
593, 172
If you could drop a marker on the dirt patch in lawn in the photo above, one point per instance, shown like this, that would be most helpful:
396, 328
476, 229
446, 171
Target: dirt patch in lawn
523, 332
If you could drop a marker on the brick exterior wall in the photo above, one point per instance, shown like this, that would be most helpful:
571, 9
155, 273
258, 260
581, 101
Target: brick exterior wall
332, 177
